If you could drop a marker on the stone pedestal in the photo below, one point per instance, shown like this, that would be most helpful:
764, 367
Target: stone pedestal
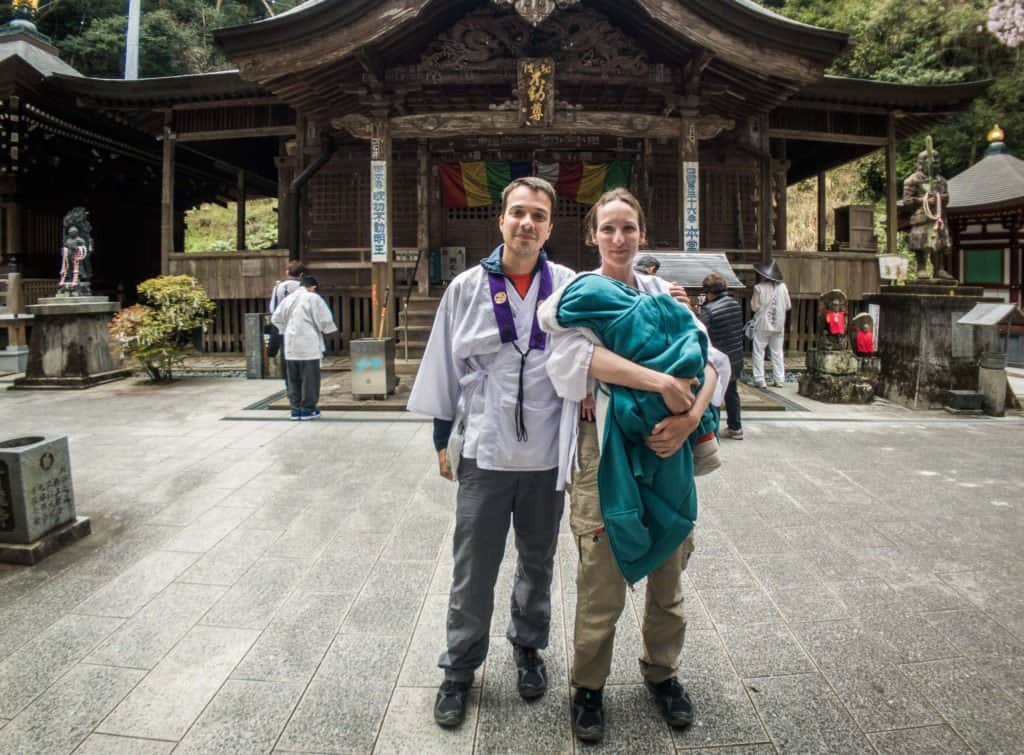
834, 378
14, 358
70, 343
37, 500
924, 352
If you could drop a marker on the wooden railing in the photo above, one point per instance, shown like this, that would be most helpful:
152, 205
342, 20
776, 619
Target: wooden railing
233, 275
352, 312
809, 274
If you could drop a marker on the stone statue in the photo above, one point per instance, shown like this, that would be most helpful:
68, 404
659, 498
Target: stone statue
925, 197
75, 265
863, 335
834, 311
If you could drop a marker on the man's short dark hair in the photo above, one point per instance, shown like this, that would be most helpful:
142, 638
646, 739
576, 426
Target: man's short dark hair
308, 281
714, 283
295, 269
534, 184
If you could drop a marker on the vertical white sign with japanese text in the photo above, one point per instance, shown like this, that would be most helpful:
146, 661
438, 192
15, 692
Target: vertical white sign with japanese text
691, 206
379, 211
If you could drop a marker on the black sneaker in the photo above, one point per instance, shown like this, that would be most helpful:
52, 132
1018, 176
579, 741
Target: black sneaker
673, 701
588, 714
533, 677
450, 705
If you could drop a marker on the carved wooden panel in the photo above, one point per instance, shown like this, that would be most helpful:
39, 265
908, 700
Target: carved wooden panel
582, 42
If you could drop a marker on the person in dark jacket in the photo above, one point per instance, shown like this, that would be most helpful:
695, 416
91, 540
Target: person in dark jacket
723, 317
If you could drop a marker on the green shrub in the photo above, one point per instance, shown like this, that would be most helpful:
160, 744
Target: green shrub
158, 333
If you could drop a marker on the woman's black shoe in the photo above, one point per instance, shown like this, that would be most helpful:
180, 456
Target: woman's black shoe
450, 706
588, 714
673, 702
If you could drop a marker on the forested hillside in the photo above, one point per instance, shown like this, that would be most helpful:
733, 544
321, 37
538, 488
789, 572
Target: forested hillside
931, 42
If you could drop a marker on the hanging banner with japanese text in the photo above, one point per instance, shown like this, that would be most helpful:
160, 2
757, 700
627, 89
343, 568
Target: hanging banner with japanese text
379, 241
691, 206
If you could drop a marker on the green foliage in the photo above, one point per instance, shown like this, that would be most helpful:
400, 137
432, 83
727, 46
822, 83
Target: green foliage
158, 333
926, 42
212, 228
175, 35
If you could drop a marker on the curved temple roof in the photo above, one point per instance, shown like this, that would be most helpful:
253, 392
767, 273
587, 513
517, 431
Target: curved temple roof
995, 182
716, 25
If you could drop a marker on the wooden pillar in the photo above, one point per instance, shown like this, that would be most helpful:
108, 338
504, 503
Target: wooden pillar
167, 197
423, 217
822, 210
240, 215
891, 185
689, 182
645, 184
780, 173
381, 230
764, 224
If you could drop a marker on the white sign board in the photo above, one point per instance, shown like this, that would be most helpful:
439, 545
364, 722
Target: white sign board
691, 217
892, 267
379, 211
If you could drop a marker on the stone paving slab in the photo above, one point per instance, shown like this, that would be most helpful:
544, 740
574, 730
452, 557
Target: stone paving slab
256, 585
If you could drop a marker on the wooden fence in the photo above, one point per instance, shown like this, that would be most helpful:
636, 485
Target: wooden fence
233, 275
352, 312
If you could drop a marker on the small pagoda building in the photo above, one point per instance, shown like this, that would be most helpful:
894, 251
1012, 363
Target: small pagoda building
986, 212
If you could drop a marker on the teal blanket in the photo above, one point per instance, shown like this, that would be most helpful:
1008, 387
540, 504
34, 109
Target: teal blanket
649, 505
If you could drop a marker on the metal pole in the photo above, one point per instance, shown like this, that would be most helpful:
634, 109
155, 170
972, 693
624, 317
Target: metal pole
131, 47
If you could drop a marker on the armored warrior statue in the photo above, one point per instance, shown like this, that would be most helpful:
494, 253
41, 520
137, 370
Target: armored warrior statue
925, 197
75, 265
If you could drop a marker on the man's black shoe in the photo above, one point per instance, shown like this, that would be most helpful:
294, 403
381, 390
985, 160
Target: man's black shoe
673, 702
533, 677
588, 714
450, 706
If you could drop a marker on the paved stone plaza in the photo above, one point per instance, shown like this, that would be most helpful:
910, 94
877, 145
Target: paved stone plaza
254, 584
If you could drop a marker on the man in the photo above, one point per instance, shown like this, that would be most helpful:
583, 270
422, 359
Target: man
281, 289
647, 263
484, 368
722, 315
303, 319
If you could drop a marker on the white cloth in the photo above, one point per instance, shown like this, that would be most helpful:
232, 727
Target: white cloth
774, 343
465, 358
569, 364
280, 293
770, 301
303, 317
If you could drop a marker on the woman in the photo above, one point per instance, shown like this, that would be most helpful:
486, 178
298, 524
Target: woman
770, 301
616, 226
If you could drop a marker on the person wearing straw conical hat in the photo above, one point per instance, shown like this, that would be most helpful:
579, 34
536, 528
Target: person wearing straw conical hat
770, 302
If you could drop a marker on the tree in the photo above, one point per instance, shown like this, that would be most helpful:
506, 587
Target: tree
158, 332
1006, 22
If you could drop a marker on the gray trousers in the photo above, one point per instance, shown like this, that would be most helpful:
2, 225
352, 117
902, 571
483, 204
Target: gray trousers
303, 384
485, 504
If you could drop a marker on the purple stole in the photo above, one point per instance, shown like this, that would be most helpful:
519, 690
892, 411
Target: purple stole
507, 330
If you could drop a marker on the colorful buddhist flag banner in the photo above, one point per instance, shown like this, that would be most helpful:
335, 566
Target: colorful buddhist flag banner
585, 182
478, 184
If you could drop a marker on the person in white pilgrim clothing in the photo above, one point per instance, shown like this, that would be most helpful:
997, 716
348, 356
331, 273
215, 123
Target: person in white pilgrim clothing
770, 301
501, 430
303, 318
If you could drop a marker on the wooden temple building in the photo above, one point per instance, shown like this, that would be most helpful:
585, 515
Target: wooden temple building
386, 128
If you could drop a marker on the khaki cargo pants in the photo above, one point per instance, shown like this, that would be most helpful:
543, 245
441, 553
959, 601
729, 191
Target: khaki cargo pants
601, 588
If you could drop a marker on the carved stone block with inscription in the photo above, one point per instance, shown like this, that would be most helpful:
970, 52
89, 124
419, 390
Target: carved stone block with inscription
36, 495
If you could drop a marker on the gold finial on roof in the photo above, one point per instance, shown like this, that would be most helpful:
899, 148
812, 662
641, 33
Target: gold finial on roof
996, 134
